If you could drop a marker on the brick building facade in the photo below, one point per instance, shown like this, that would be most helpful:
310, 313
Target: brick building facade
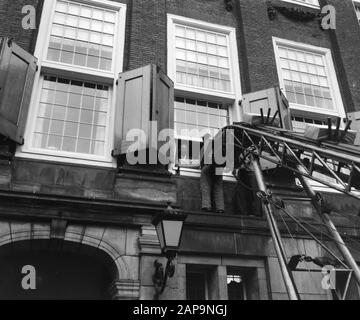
78, 206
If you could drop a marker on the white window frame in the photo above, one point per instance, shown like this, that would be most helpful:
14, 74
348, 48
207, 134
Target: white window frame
334, 86
356, 3
80, 73
330, 73
203, 93
188, 91
305, 4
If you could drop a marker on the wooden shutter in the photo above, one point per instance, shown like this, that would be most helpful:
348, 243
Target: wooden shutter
163, 102
273, 99
144, 95
132, 105
17, 72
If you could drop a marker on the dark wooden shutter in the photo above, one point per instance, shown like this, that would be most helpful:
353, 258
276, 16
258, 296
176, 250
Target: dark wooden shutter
163, 102
145, 94
273, 99
17, 72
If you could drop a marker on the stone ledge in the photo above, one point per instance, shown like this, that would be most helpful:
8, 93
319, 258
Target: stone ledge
149, 242
125, 290
143, 188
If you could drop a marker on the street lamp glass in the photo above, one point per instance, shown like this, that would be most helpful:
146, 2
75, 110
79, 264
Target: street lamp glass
169, 227
169, 233
172, 233
160, 233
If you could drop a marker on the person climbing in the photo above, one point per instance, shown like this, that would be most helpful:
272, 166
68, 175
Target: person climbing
211, 180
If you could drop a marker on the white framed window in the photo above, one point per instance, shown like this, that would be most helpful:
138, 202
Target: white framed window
203, 58
357, 9
307, 3
300, 123
203, 63
308, 78
193, 114
80, 50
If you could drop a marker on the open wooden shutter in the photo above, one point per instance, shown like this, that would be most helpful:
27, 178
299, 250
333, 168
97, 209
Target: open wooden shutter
144, 95
273, 99
132, 106
163, 103
17, 72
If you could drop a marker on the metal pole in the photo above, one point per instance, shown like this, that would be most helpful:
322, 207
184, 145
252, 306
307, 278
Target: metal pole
330, 225
275, 234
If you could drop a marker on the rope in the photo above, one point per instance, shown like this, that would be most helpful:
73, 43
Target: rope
300, 221
341, 233
267, 198
348, 218
298, 247
308, 232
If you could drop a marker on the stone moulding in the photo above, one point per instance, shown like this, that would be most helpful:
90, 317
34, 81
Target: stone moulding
292, 13
125, 290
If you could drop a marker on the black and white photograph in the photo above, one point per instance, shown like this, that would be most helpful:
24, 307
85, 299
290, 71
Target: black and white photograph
180, 154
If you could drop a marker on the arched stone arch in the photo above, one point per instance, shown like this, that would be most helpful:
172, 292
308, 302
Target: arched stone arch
111, 243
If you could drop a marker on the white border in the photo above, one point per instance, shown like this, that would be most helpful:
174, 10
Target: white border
356, 3
305, 4
330, 72
90, 75
202, 93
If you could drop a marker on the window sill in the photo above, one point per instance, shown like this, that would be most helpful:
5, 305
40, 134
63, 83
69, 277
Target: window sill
79, 72
307, 111
78, 161
205, 94
308, 5
196, 173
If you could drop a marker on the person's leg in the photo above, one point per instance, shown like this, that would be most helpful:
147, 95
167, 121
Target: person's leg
219, 193
206, 186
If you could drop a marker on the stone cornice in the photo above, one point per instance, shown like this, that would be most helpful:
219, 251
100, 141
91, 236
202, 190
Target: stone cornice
292, 13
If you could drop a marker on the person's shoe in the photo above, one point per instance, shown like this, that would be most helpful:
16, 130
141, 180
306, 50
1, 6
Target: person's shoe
206, 209
220, 211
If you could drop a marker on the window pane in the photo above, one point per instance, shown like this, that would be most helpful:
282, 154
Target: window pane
204, 50
66, 119
199, 116
91, 27
309, 80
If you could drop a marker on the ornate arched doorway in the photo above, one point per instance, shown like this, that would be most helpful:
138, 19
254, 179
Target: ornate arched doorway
62, 271
95, 257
